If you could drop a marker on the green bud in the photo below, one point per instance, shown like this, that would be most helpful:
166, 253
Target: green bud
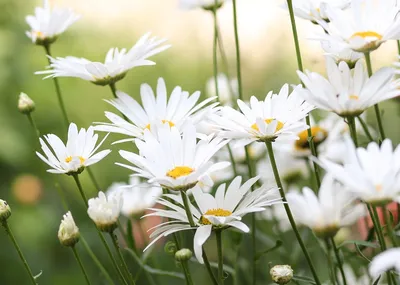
183, 254
281, 274
5, 211
25, 104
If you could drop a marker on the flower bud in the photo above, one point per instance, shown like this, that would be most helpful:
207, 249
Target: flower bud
183, 254
104, 211
5, 211
25, 104
281, 274
68, 233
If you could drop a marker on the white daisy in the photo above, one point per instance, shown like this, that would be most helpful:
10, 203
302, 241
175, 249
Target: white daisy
338, 53
224, 210
365, 26
205, 4
73, 157
372, 174
48, 23
387, 260
117, 62
68, 232
156, 109
348, 92
227, 89
173, 161
326, 213
104, 211
279, 117
136, 197
315, 10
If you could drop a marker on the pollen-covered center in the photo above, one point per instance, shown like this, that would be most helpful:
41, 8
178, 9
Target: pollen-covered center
179, 171
319, 135
171, 124
367, 34
279, 126
69, 159
39, 34
215, 212
353, 97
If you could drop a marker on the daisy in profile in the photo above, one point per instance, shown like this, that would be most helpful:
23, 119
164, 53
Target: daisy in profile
222, 211
174, 161
326, 213
338, 53
157, 108
348, 92
368, 24
205, 4
372, 174
387, 260
279, 117
315, 10
72, 158
117, 62
48, 23
104, 211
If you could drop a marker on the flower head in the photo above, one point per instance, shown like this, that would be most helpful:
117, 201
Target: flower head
339, 53
5, 211
117, 62
221, 211
48, 23
389, 259
105, 211
348, 92
25, 104
75, 155
173, 161
326, 213
68, 233
174, 111
205, 4
315, 10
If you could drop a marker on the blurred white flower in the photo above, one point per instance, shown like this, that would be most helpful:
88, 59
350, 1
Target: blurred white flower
68, 232
48, 23
173, 161
340, 53
363, 27
326, 213
78, 153
348, 92
136, 197
205, 4
175, 110
224, 210
352, 278
372, 174
279, 117
227, 89
387, 260
117, 62
277, 215
25, 104
104, 211
281, 274
315, 10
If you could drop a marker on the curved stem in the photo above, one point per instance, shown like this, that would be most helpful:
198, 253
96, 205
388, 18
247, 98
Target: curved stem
80, 264
187, 208
186, 271
21, 256
376, 106
118, 250
332, 274
33, 124
365, 128
113, 89
237, 45
218, 234
353, 132
339, 261
289, 212
58, 90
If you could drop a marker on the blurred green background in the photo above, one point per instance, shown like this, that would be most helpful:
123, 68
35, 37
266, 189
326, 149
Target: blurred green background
268, 62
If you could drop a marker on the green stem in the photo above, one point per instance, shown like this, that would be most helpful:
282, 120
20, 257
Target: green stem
187, 209
376, 106
353, 132
118, 250
186, 271
33, 124
332, 274
378, 228
389, 227
289, 212
113, 89
208, 267
237, 45
365, 128
339, 261
21, 256
215, 45
218, 234
80, 264
58, 91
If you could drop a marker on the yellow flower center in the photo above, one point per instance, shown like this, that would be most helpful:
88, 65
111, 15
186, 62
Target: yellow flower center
69, 159
367, 34
319, 135
39, 34
215, 212
279, 126
378, 187
171, 124
179, 171
353, 97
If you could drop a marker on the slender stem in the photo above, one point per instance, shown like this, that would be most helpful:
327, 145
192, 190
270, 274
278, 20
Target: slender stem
376, 106
33, 124
332, 274
353, 132
113, 89
233, 162
365, 128
80, 264
237, 45
215, 45
186, 271
389, 226
58, 90
378, 228
21, 256
289, 212
339, 261
83, 195
118, 250
208, 267
218, 234
187, 208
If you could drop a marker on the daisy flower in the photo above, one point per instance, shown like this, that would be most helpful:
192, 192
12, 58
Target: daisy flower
205, 4
221, 211
279, 117
326, 213
372, 174
366, 25
175, 110
72, 158
117, 62
338, 53
48, 23
315, 10
68, 232
387, 260
227, 89
175, 161
348, 92
104, 211
136, 197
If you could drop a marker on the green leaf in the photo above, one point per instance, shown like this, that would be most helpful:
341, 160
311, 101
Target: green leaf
129, 235
359, 242
377, 281
277, 245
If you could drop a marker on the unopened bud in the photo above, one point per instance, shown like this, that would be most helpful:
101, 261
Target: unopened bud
25, 104
281, 274
68, 233
183, 254
5, 211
